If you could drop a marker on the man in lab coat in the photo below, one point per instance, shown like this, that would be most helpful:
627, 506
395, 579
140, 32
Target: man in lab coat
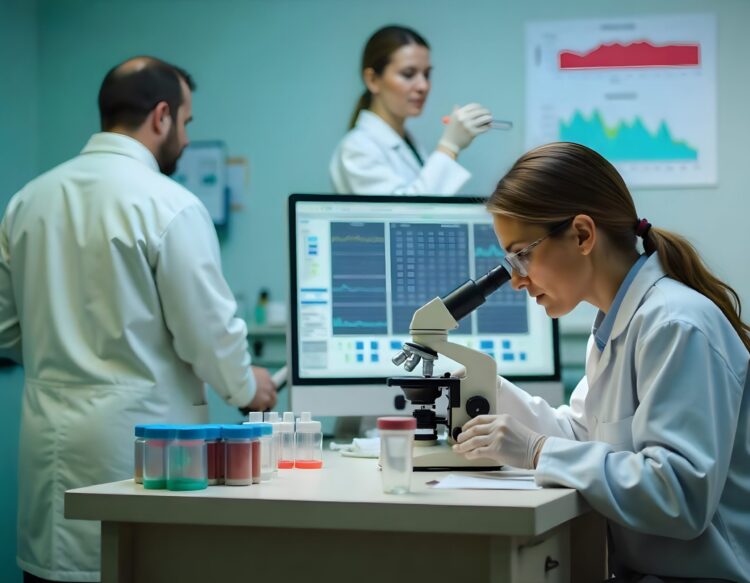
113, 299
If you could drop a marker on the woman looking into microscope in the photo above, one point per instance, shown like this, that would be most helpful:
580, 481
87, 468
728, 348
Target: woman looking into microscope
657, 434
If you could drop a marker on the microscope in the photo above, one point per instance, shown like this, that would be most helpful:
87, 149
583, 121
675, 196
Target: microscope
468, 396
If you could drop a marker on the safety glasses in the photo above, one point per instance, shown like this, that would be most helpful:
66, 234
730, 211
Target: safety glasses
519, 261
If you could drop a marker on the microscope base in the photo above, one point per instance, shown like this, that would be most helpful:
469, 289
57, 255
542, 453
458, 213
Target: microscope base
441, 457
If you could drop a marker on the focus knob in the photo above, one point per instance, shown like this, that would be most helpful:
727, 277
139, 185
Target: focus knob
476, 406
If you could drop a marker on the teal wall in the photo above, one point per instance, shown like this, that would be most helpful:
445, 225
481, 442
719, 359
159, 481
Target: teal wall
277, 80
19, 137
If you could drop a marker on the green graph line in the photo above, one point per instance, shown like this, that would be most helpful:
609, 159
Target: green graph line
625, 141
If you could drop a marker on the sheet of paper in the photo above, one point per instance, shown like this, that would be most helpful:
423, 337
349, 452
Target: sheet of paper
486, 482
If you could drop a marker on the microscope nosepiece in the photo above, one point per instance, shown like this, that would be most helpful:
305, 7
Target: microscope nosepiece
412, 362
400, 358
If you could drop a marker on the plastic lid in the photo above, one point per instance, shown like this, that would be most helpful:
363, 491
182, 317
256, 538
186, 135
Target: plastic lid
255, 416
140, 429
287, 425
256, 427
272, 417
305, 424
266, 429
244, 431
158, 432
212, 431
190, 432
398, 423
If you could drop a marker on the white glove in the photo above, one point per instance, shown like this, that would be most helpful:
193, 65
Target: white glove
464, 125
501, 438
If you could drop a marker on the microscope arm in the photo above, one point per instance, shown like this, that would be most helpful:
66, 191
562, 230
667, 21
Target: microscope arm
429, 327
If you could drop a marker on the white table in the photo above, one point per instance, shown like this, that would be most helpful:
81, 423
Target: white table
335, 524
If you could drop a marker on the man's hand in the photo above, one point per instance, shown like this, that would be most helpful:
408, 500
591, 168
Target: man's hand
265, 390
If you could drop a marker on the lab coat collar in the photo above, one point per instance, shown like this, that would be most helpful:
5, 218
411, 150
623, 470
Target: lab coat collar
375, 125
113, 143
649, 274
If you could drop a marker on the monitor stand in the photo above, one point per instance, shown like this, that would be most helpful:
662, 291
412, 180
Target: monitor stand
347, 428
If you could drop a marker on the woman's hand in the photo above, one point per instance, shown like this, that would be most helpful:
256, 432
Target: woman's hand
464, 124
501, 438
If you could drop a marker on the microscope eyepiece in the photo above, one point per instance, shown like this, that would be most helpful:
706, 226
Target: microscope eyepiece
468, 297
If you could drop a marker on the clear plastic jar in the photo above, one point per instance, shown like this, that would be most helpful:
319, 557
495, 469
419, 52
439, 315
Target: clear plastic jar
140, 444
308, 446
396, 443
286, 441
214, 454
266, 446
187, 467
272, 417
157, 438
238, 455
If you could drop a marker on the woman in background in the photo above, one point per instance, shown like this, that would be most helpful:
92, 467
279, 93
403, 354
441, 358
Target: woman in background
657, 434
378, 156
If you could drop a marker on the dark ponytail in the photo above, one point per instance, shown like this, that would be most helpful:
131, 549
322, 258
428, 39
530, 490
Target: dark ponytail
681, 261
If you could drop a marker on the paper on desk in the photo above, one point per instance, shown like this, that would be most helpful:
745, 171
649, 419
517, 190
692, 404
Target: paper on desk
359, 447
495, 481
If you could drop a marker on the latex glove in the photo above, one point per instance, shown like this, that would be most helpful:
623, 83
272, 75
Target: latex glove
465, 124
265, 391
501, 438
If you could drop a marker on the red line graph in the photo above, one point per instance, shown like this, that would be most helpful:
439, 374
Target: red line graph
636, 54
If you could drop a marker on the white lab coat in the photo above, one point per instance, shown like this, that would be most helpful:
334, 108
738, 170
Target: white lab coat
657, 435
113, 295
373, 159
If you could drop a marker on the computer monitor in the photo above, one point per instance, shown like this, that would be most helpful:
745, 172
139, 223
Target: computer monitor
359, 268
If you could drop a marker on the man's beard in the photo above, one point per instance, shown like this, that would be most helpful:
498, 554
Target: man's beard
169, 152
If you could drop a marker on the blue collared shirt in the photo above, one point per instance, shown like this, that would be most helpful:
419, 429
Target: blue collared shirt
604, 322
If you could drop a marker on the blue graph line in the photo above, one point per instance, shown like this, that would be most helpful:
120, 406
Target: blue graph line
341, 323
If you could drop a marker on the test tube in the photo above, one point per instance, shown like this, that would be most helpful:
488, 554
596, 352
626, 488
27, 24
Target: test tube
308, 447
286, 431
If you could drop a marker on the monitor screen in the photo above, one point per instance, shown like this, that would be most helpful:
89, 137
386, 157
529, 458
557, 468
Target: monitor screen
359, 268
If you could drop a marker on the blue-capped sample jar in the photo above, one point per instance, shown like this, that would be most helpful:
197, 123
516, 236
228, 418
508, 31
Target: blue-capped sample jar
241, 454
187, 467
155, 455
140, 444
215, 454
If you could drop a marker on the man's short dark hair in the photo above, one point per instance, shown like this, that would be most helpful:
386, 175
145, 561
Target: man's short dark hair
128, 94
